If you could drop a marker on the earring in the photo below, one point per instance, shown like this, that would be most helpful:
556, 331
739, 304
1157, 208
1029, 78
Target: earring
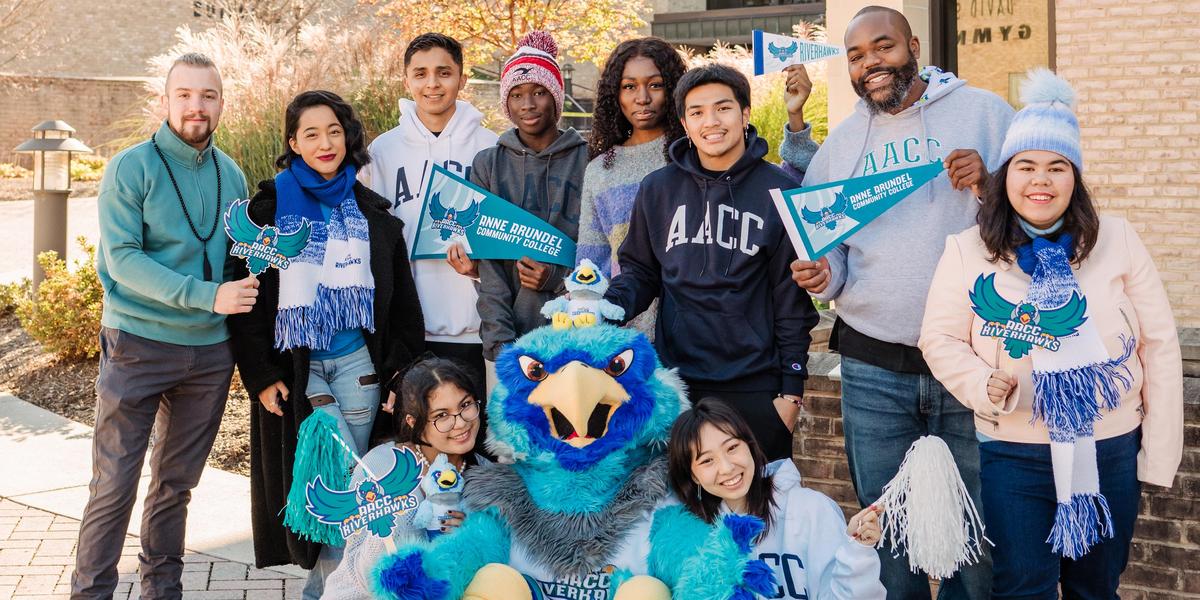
746, 134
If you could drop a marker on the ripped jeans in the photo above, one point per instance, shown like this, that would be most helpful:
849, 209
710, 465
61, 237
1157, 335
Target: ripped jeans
354, 386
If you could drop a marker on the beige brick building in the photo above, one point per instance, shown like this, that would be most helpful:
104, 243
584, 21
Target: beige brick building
1134, 65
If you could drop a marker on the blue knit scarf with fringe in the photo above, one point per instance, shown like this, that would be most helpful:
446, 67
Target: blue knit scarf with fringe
329, 287
1070, 395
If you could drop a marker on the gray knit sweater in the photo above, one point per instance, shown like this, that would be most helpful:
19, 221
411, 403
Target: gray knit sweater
606, 203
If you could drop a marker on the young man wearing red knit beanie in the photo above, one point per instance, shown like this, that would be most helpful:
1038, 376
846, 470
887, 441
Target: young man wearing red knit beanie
538, 167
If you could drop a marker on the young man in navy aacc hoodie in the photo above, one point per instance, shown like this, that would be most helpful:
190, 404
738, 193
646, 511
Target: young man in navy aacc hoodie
704, 236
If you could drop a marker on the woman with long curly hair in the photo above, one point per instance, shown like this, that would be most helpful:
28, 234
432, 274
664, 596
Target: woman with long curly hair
634, 123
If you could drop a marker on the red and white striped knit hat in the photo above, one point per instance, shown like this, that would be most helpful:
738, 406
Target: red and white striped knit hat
533, 63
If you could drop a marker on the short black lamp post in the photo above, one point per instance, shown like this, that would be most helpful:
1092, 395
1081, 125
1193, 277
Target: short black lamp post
51, 146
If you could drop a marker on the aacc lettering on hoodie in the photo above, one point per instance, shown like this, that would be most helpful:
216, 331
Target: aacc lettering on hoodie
899, 152
727, 227
794, 581
404, 191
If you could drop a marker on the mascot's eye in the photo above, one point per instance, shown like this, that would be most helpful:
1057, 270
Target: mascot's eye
533, 369
619, 363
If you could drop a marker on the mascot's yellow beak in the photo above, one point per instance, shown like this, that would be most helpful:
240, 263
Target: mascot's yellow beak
447, 479
579, 401
585, 275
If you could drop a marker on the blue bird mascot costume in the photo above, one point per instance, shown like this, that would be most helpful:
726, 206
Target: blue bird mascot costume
582, 509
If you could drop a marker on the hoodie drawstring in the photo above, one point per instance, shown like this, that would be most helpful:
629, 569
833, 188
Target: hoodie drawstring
862, 149
704, 195
733, 205
928, 150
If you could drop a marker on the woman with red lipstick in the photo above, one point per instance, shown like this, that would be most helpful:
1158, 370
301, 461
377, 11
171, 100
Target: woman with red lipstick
1050, 322
342, 318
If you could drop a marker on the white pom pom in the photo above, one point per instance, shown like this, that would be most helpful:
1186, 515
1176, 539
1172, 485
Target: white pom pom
1042, 85
928, 512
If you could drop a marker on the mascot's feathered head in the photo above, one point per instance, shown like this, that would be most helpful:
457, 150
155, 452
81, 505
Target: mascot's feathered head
576, 396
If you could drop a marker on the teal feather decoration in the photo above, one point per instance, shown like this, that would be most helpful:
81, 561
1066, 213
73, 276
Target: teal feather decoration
318, 453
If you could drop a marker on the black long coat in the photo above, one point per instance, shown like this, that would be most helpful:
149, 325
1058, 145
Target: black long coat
399, 337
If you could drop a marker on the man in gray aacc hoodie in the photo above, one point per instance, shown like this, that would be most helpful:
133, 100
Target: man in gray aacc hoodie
881, 275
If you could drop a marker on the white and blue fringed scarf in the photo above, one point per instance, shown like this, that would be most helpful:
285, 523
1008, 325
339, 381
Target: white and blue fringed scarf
1072, 386
329, 287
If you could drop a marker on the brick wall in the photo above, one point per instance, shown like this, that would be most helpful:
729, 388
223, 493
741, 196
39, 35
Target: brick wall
94, 107
107, 39
1134, 65
1165, 554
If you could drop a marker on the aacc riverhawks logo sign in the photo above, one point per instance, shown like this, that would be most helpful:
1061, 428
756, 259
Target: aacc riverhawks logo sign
1023, 326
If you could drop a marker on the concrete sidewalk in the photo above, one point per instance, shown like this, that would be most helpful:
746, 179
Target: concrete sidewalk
47, 466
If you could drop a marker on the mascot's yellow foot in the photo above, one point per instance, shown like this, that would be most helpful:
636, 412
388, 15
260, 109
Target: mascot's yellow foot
643, 587
561, 320
584, 320
502, 582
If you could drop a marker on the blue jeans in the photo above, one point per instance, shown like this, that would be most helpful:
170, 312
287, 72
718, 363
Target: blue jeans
1019, 505
352, 383
883, 413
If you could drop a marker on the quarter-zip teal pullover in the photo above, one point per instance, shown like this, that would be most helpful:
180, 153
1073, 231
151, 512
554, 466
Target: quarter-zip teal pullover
150, 263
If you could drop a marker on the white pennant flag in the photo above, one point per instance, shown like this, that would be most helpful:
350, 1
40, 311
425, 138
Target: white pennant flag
773, 52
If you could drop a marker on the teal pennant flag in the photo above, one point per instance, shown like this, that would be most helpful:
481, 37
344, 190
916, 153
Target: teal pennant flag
487, 226
820, 217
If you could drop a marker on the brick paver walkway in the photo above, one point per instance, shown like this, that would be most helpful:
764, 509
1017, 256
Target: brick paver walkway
37, 556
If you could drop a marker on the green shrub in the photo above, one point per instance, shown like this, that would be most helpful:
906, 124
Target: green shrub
87, 167
11, 295
63, 314
11, 171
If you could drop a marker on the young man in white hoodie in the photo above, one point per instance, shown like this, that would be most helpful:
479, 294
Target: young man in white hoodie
436, 128
881, 276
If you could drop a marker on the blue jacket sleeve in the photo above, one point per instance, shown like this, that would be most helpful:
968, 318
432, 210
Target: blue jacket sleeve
798, 149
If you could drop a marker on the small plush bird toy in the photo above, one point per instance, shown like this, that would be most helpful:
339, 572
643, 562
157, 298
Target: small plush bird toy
584, 304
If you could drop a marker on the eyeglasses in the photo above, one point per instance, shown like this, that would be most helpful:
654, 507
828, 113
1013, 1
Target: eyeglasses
445, 422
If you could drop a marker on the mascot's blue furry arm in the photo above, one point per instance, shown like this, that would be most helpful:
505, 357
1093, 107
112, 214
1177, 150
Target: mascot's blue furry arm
701, 561
583, 414
443, 568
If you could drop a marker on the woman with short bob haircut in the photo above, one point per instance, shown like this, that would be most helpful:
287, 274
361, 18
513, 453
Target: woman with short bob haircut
716, 467
1051, 323
329, 329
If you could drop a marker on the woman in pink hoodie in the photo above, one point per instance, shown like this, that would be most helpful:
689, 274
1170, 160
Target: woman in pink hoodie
1051, 323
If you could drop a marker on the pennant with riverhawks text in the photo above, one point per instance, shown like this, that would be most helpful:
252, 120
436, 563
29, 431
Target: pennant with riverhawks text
773, 52
820, 217
488, 226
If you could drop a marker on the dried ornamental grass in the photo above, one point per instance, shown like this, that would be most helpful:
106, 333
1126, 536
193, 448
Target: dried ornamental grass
263, 67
